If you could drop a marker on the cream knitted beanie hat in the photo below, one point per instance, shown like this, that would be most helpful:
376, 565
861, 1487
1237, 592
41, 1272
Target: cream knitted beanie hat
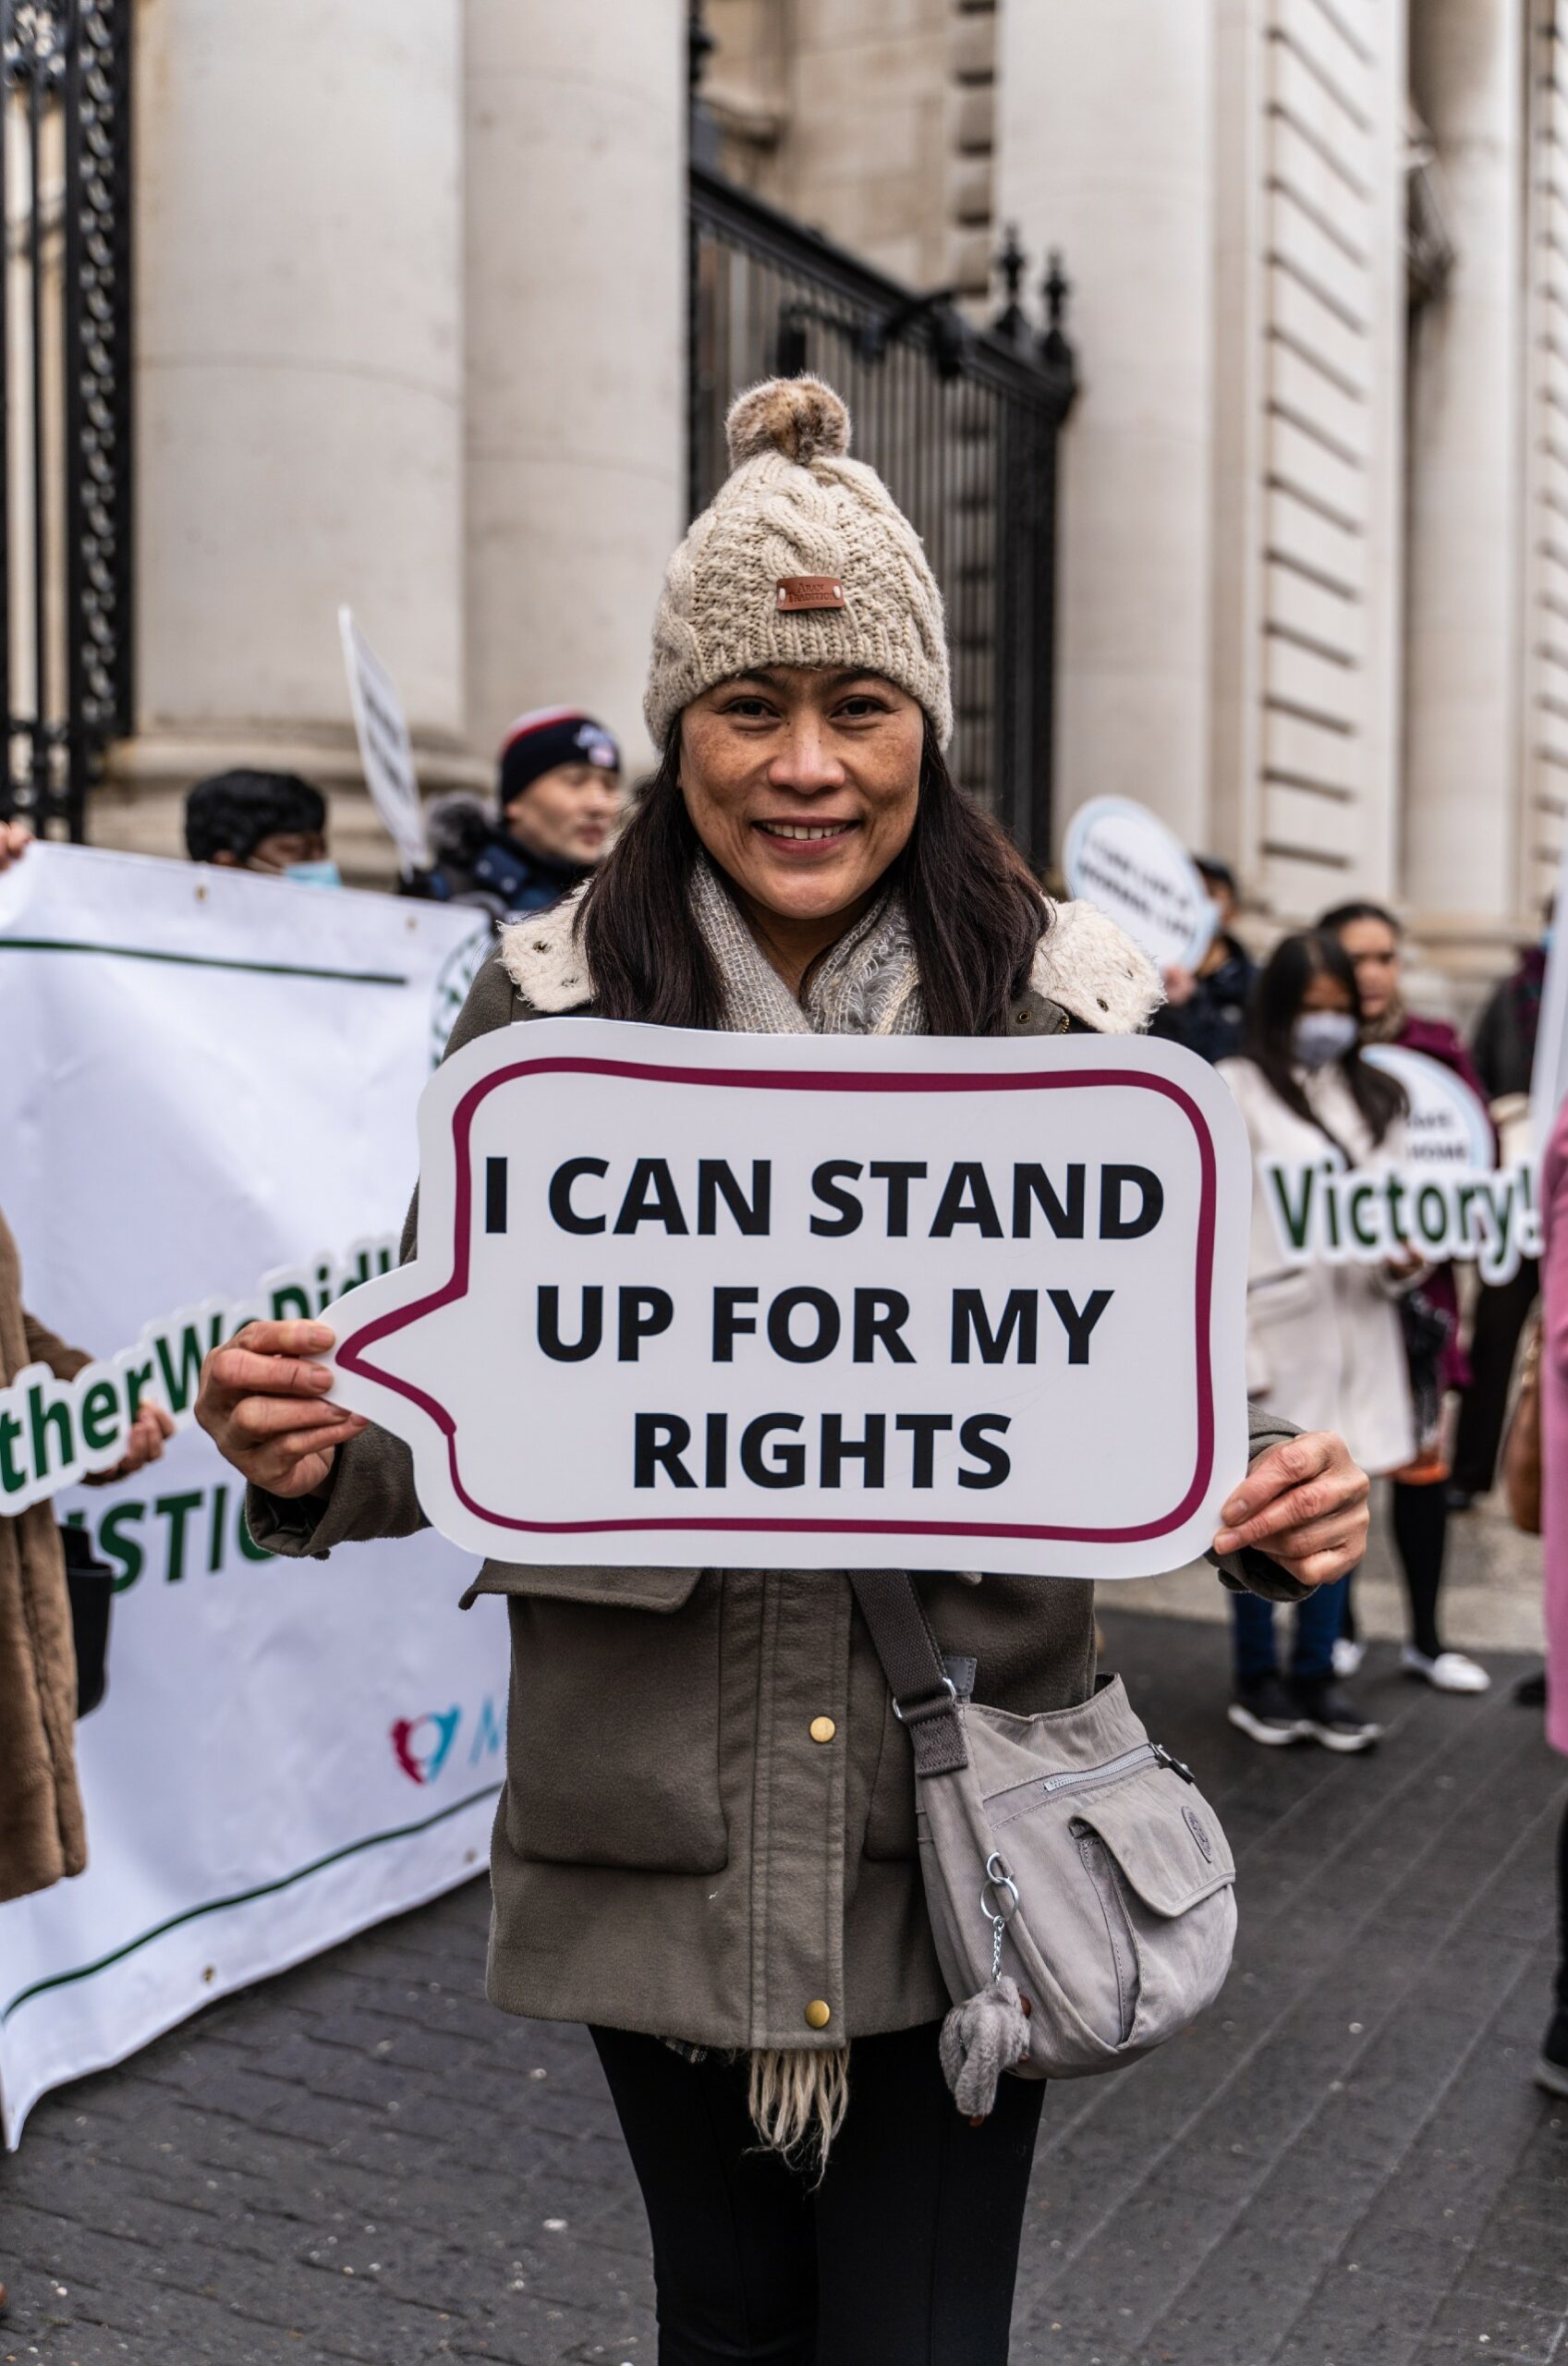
803, 559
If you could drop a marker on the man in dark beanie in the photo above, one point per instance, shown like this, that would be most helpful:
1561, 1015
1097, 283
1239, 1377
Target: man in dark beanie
558, 789
252, 821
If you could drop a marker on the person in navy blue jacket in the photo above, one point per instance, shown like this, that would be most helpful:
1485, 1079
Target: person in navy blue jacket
558, 794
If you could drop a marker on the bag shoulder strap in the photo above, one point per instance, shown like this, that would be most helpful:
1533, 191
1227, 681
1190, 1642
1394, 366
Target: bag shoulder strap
924, 1697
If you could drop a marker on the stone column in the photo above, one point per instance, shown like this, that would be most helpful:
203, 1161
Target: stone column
1106, 151
298, 396
1463, 624
575, 248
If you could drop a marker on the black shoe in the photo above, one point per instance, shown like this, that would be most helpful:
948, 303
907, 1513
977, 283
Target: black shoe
1551, 2071
1458, 1499
1262, 1708
1530, 1690
1327, 1716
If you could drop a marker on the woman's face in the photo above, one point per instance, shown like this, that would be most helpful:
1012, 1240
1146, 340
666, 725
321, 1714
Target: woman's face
802, 783
1374, 952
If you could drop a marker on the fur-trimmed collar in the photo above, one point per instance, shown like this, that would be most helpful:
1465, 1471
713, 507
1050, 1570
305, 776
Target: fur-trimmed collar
1084, 962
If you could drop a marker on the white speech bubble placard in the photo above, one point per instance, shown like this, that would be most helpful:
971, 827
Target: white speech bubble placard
768, 1301
1121, 857
1446, 1130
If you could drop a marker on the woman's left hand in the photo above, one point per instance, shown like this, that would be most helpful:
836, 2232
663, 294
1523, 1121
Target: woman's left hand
144, 1444
1305, 1504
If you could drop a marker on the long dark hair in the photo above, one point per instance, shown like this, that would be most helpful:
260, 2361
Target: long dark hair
1276, 1006
975, 913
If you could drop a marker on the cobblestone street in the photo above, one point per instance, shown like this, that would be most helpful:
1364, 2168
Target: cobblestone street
1346, 2165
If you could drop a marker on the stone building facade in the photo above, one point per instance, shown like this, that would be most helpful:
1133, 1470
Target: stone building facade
410, 333
1315, 490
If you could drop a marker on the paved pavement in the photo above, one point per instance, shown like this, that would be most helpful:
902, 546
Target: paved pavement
1345, 2165
1492, 1595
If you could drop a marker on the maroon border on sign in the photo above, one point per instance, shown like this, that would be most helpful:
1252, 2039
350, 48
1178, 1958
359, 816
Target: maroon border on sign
351, 1353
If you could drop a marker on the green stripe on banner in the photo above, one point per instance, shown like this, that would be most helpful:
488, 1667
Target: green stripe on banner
243, 1897
200, 961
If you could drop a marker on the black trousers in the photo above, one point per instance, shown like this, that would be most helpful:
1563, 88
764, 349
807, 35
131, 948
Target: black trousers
1502, 1309
1562, 1914
904, 2255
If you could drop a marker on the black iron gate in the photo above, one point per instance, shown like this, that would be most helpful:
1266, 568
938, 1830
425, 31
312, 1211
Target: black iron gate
64, 399
960, 424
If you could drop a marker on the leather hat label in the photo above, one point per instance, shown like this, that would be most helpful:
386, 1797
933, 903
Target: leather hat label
796, 591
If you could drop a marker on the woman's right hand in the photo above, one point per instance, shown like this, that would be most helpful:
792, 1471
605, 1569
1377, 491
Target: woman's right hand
262, 1401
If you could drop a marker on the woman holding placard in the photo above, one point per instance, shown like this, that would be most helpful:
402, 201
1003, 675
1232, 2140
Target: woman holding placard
1373, 939
1326, 1336
706, 1849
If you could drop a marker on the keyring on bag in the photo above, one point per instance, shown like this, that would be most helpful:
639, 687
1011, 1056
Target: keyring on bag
998, 1879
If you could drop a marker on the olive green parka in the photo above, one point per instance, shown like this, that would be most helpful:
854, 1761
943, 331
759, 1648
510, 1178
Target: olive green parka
707, 1829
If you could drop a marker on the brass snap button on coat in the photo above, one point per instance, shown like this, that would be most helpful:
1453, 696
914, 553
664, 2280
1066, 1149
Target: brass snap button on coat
822, 1729
817, 2015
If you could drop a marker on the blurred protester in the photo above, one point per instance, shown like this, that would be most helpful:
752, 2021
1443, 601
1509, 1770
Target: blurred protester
1205, 1008
1551, 2071
274, 822
558, 785
41, 1834
1430, 1313
1504, 1045
1324, 1338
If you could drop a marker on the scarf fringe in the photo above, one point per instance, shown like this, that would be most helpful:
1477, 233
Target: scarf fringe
797, 2099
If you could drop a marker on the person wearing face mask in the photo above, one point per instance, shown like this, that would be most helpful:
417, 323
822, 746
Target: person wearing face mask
274, 822
1372, 937
1325, 1338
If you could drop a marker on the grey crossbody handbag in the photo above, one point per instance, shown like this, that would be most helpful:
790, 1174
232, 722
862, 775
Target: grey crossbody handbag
1079, 1886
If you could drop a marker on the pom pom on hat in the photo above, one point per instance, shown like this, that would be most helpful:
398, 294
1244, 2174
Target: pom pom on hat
811, 563
799, 417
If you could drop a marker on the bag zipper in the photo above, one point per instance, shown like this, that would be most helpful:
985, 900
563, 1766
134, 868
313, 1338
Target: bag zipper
1146, 1754
1095, 1861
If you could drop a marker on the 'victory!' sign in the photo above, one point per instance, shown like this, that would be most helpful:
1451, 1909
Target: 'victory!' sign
817, 1302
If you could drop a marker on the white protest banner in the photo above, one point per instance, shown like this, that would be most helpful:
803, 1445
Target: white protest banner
386, 753
55, 1432
1447, 1128
209, 1076
1123, 859
698, 1296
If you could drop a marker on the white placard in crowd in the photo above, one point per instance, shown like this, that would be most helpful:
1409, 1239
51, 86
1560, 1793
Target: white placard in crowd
1446, 1130
1446, 1199
827, 1303
1123, 859
1324, 1211
386, 753
207, 1076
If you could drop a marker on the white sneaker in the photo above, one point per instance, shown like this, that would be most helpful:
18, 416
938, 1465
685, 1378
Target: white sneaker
1348, 1655
1450, 1671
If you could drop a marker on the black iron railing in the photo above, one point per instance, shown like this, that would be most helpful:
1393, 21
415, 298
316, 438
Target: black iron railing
960, 424
65, 400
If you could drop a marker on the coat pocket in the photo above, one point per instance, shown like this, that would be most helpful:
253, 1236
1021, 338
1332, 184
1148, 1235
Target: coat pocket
612, 1736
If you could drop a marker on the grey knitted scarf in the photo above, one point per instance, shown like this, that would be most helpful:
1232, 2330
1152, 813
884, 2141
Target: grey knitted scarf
866, 984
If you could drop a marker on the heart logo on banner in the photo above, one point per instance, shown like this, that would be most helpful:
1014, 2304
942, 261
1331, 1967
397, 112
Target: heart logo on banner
423, 1754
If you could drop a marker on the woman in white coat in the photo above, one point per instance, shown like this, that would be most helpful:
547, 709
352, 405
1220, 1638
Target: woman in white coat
1323, 1338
